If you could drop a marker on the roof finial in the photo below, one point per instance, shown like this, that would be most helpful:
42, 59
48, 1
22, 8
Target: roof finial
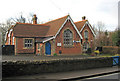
68, 13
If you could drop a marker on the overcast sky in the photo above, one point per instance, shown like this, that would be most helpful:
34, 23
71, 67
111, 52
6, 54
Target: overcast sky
94, 10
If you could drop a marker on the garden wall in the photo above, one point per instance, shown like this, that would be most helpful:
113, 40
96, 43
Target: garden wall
34, 67
8, 50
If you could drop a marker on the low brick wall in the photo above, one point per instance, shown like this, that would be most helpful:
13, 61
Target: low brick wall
16, 68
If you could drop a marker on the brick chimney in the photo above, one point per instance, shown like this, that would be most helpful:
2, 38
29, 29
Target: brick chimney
34, 19
83, 18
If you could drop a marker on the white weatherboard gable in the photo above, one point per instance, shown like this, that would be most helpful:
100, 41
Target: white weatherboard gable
69, 18
10, 32
13, 40
9, 36
89, 27
6, 35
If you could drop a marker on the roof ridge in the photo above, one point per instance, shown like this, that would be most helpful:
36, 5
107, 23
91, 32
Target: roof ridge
56, 19
80, 21
31, 24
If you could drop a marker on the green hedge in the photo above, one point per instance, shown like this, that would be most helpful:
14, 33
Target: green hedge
111, 50
34, 67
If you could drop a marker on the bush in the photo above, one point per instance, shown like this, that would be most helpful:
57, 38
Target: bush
54, 54
89, 51
110, 50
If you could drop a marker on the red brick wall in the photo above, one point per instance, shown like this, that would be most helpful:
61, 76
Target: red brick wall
90, 35
20, 47
76, 48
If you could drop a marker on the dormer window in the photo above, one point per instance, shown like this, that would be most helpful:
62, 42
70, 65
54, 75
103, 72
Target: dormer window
86, 34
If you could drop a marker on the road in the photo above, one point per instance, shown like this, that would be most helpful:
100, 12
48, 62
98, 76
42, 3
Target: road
114, 77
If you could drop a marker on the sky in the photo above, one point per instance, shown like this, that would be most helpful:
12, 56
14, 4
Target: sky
105, 11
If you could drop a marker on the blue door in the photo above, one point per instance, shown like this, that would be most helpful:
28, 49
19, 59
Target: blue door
48, 48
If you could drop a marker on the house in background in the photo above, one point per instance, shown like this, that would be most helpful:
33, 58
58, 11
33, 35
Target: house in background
60, 36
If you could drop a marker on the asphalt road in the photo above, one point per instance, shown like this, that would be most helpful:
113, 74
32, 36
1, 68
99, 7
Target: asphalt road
109, 77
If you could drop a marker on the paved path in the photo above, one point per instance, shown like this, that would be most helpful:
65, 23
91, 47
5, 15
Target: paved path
35, 57
68, 75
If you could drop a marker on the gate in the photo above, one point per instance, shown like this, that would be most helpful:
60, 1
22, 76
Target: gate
8, 50
116, 60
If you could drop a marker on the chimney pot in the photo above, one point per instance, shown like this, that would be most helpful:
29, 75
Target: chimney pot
34, 19
83, 18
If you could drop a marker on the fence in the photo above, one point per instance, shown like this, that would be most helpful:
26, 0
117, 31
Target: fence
8, 50
116, 60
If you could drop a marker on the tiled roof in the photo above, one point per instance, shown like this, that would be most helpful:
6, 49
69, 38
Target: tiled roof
43, 30
80, 24
30, 30
55, 25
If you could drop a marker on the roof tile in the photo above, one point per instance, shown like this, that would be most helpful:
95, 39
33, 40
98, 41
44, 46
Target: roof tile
80, 24
30, 30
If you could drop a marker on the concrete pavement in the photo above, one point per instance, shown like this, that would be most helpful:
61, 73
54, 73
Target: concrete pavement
27, 57
68, 75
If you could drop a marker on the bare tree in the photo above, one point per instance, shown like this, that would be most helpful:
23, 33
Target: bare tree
100, 28
4, 28
12, 21
22, 19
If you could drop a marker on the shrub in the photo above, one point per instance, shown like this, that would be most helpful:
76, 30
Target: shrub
110, 50
54, 54
89, 51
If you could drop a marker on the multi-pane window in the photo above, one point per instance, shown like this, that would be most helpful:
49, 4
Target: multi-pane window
28, 43
68, 38
86, 34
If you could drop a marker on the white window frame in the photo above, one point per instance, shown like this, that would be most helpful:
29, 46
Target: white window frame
28, 43
85, 34
13, 40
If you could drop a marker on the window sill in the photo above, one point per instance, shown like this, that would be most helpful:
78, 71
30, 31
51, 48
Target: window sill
28, 48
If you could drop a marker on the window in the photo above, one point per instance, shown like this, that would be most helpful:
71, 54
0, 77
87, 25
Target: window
28, 43
68, 38
86, 34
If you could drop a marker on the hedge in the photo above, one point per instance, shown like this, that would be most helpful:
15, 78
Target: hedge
15, 68
111, 50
